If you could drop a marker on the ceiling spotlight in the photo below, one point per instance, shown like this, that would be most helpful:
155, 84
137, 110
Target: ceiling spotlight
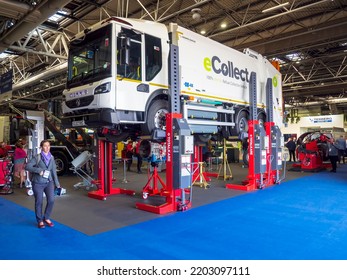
196, 13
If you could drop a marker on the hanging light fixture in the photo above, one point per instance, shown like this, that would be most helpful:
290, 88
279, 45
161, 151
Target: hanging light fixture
196, 13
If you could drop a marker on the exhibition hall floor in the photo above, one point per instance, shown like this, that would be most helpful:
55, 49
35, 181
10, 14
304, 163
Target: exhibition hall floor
303, 217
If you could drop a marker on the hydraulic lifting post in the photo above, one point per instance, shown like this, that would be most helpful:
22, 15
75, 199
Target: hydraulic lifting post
178, 168
104, 168
257, 151
179, 149
274, 136
265, 154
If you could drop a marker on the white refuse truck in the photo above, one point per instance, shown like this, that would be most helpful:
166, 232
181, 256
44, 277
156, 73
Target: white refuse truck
118, 80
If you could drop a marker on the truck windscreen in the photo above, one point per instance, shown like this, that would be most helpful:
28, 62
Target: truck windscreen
90, 57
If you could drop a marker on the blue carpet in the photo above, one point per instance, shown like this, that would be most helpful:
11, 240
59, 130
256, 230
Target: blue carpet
300, 219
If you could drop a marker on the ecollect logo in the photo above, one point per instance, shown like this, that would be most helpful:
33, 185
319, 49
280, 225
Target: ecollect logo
226, 69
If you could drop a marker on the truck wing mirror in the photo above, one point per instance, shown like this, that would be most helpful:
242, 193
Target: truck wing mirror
125, 51
125, 42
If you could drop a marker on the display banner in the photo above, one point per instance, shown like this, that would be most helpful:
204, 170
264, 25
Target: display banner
6, 86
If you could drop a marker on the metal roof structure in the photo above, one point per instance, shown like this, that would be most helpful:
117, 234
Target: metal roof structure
307, 37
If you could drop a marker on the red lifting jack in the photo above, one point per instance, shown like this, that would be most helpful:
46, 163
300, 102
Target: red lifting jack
174, 194
105, 180
152, 189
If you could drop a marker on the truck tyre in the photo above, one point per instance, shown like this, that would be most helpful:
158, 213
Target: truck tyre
61, 162
156, 115
117, 138
114, 138
242, 122
202, 138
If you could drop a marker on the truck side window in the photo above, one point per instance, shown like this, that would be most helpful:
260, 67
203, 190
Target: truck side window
153, 54
132, 70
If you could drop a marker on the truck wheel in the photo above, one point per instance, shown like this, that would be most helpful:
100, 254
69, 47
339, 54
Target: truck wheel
156, 117
114, 138
242, 122
202, 138
61, 162
145, 148
117, 138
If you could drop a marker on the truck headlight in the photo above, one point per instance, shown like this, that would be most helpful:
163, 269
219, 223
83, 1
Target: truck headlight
104, 88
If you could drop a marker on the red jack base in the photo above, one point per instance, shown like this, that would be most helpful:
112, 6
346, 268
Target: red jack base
247, 187
309, 167
167, 207
161, 209
252, 183
101, 195
210, 174
164, 208
171, 205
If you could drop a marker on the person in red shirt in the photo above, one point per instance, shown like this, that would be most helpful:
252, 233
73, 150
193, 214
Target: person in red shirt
138, 155
4, 148
19, 158
129, 153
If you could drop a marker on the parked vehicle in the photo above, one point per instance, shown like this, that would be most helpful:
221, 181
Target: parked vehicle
118, 80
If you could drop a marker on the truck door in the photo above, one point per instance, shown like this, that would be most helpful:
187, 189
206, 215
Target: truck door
131, 94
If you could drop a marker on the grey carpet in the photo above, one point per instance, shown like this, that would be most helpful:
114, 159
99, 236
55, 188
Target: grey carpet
92, 216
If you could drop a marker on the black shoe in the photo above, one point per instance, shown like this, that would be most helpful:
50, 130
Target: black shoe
140, 172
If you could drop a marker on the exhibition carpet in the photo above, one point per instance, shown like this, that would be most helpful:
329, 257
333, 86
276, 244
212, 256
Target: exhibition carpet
300, 219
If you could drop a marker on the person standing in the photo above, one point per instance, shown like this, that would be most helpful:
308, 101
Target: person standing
291, 148
342, 144
4, 148
19, 158
44, 179
73, 136
138, 155
129, 153
295, 141
333, 150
